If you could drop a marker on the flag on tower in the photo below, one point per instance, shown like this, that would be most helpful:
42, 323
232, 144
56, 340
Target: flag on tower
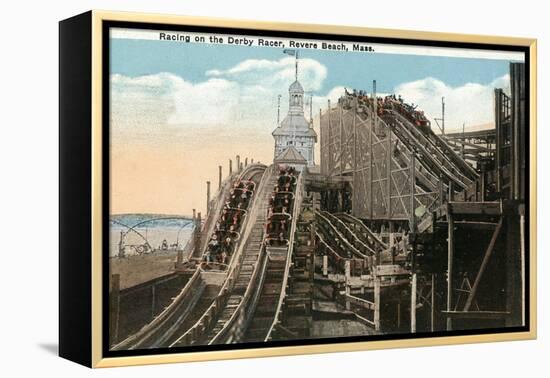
289, 52
293, 52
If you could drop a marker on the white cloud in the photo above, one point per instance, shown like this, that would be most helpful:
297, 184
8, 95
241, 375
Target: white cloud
166, 98
139, 105
244, 95
275, 73
211, 102
471, 103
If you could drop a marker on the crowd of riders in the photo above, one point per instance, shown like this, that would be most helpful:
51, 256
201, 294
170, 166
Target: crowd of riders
391, 103
226, 231
220, 247
279, 213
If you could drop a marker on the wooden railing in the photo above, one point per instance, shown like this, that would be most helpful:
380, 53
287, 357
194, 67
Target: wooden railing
436, 159
295, 214
349, 234
364, 228
210, 316
328, 224
219, 201
358, 267
246, 307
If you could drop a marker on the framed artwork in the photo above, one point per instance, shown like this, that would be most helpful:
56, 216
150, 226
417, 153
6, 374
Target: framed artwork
234, 189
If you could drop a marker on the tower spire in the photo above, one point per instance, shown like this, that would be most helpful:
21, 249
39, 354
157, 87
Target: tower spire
296, 76
311, 110
293, 53
278, 110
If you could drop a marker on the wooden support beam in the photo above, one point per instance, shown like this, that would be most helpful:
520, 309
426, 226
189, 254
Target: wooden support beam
388, 174
486, 134
516, 116
391, 242
329, 144
360, 302
472, 146
412, 174
413, 303
476, 314
341, 137
473, 225
377, 303
347, 272
482, 188
441, 191
198, 224
475, 208
114, 297
522, 260
432, 312
371, 152
483, 266
450, 257
498, 131
288, 333
399, 313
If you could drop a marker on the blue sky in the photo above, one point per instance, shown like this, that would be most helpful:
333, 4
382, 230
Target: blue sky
200, 85
191, 61
168, 98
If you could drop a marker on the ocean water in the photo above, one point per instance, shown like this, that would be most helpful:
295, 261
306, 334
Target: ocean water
139, 231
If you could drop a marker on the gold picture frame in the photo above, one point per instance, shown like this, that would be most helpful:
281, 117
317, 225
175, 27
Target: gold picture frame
91, 266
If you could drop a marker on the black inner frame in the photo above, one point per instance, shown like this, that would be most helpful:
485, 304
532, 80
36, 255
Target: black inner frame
106, 25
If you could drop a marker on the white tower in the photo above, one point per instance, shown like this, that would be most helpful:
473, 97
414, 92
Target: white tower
294, 133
